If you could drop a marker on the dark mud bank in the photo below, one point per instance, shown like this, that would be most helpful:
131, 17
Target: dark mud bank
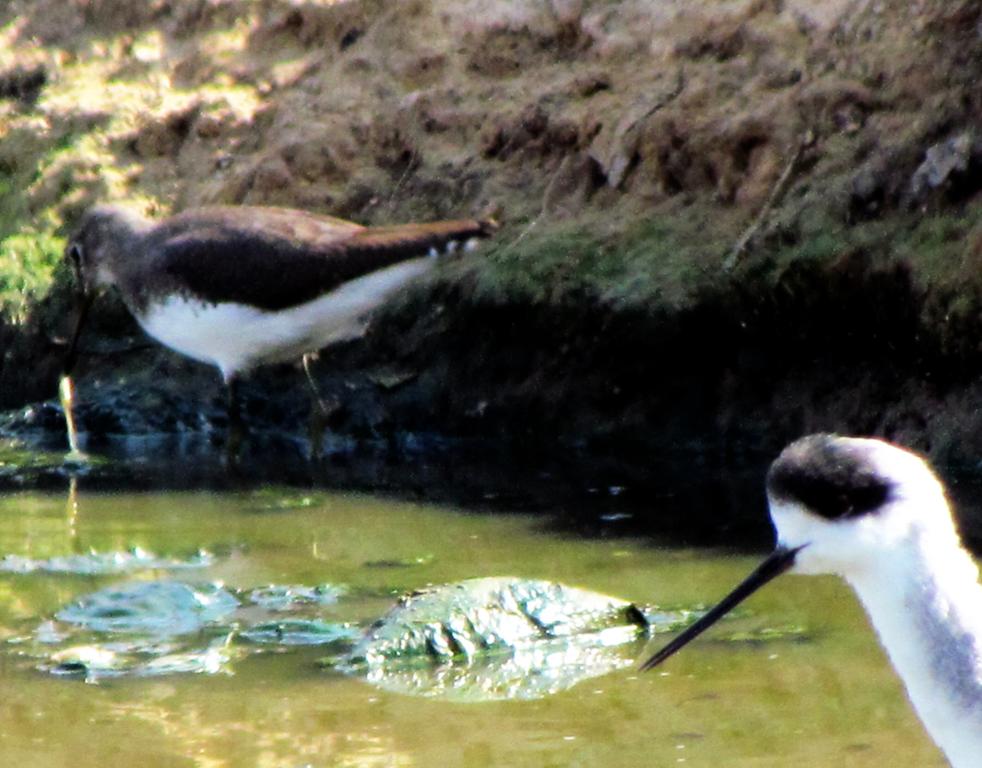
757, 360
754, 362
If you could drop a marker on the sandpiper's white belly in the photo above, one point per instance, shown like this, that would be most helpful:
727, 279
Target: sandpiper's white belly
237, 337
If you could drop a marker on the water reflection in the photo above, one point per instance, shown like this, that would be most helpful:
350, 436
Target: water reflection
533, 671
72, 506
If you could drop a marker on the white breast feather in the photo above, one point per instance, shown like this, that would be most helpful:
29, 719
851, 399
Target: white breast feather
237, 337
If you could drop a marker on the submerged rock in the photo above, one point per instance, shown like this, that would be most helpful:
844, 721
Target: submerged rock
483, 616
155, 608
497, 638
300, 632
282, 597
100, 563
92, 662
154, 628
476, 640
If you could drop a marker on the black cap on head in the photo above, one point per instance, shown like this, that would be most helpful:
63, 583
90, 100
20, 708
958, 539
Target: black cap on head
831, 476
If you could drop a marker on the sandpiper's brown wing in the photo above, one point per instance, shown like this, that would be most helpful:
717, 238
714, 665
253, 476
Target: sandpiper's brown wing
274, 258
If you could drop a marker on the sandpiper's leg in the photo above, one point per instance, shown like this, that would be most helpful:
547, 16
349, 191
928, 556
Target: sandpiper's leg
236, 427
321, 410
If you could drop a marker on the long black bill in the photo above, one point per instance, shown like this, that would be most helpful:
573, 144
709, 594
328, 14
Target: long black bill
780, 560
82, 311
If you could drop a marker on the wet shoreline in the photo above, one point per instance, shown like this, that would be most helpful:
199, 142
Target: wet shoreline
693, 494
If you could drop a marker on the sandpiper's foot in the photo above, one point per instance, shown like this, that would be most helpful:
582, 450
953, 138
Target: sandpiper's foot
323, 416
233, 445
235, 434
322, 410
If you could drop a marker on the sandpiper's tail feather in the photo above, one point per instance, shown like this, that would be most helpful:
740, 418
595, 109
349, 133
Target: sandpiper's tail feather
432, 239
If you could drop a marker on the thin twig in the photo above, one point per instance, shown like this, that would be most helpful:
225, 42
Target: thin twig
777, 192
625, 136
523, 234
410, 168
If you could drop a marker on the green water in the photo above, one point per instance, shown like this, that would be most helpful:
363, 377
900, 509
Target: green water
827, 697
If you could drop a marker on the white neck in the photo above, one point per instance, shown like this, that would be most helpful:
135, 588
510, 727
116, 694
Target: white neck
926, 605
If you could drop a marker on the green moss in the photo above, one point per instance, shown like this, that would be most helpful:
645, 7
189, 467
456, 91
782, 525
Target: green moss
27, 264
659, 261
544, 266
937, 246
823, 246
666, 260
938, 249
30, 243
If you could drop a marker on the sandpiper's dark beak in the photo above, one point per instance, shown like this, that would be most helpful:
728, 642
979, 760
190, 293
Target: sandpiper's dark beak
83, 300
82, 303
779, 561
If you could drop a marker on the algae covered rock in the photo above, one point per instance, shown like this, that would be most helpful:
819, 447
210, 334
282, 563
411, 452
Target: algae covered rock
156, 608
165, 627
496, 638
483, 616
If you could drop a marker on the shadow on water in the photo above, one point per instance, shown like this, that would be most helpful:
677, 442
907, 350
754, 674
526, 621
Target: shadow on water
690, 495
685, 495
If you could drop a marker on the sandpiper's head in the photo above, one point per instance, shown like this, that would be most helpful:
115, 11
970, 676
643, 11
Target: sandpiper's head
839, 505
103, 235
